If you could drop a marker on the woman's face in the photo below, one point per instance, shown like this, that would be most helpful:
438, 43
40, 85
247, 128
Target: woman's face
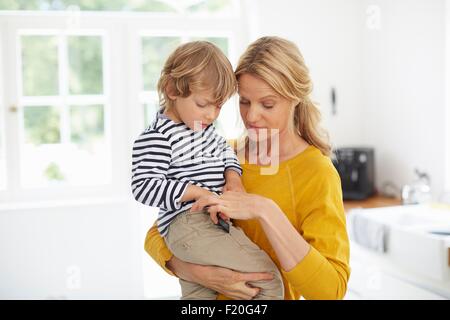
262, 108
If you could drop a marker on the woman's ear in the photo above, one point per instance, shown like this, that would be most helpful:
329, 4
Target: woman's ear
171, 91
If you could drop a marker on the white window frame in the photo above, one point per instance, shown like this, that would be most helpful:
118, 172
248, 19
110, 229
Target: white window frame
447, 95
4, 183
64, 100
51, 24
231, 27
184, 37
122, 80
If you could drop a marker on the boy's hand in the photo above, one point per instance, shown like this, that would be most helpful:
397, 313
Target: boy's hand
205, 195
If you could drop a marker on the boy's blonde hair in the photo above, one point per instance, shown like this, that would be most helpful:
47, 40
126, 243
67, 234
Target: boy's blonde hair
279, 62
196, 66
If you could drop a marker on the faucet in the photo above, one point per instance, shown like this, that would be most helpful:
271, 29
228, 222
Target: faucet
418, 191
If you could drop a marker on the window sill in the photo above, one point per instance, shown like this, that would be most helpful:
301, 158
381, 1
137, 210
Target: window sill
62, 203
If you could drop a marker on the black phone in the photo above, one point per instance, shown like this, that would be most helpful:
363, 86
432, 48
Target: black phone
225, 225
222, 223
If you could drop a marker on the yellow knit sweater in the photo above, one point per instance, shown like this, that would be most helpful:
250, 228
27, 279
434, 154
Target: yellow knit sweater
307, 188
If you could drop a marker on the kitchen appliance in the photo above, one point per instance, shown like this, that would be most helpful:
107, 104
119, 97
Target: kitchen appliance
356, 167
418, 191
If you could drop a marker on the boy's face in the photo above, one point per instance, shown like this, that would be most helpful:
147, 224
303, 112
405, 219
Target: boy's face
197, 111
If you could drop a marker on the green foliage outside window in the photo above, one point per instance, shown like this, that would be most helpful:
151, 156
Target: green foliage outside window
53, 172
40, 65
85, 65
86, 5
42, 125
86, 124
116, 5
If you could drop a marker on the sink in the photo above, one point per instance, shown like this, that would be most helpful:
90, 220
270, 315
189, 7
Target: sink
415, 237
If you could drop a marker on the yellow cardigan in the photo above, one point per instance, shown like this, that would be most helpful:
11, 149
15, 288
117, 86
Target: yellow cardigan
307, 188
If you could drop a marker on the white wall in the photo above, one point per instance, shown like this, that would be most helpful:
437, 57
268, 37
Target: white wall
447, 96
328, 33
390, 81
79, 251
403, 80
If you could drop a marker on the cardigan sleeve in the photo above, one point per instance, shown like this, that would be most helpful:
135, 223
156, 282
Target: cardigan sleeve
156, 247
324, 271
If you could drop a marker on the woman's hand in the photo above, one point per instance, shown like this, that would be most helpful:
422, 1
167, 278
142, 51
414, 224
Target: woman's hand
230, 283
235, 205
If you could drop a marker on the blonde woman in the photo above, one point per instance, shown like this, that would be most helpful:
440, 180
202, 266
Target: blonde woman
296, 213
180, 159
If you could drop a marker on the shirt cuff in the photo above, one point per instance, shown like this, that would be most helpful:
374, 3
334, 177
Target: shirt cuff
165, 255
305, 270
234, 168
177, 201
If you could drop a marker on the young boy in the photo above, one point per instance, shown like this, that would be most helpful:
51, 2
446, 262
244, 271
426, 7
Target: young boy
180, 158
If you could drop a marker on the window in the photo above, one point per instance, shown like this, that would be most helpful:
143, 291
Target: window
447, 86
63, 103
83, 90
2, 150
2, 126
172, 6
155, 50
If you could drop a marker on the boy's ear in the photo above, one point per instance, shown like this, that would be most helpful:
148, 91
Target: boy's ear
171, 91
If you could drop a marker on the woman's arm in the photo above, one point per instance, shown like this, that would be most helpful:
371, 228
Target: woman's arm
288, 244
227, 282
314, 256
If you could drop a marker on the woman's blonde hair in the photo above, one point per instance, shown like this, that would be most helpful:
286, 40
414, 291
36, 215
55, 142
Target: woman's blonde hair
193, 66
280, 63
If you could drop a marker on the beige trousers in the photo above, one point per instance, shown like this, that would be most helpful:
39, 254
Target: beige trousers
194, 238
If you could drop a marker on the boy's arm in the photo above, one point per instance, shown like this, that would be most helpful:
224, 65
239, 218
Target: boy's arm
230, 159
233, 181
151, 160
233, 171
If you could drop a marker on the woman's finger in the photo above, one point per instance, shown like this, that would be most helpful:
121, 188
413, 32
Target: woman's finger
216, 209
213, 216
248, 293
240, 291
208, 201
194, 207
254, 276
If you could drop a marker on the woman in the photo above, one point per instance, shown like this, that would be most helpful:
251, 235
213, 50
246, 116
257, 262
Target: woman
296, 213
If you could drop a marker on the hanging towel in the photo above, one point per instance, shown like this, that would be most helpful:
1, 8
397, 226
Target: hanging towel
367, 232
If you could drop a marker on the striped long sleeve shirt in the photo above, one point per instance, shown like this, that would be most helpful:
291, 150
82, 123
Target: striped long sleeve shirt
169, 156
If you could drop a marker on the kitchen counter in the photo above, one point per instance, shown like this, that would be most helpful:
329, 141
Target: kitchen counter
397, 251
376, 201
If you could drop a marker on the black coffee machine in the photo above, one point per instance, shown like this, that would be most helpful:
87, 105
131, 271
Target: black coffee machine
356, 167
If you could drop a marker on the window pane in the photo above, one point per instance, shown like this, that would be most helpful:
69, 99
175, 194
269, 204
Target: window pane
229, 123
39, 65
82, 160
97, 5
155, 51
87, 125
42, 125
85, 65
221, 42
211, 6
2, 157
150, 110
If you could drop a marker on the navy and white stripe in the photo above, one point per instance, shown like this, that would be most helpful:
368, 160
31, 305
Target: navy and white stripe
168, 156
